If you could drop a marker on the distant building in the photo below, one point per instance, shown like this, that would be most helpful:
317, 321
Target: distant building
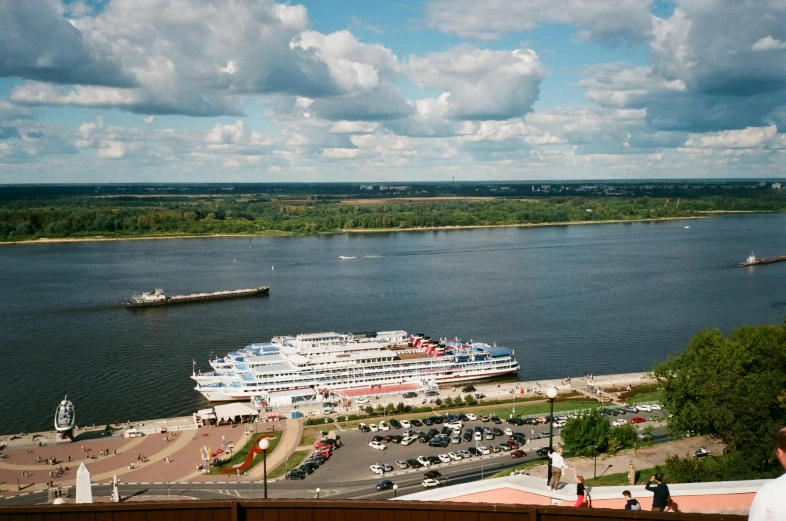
776, 186
366, 187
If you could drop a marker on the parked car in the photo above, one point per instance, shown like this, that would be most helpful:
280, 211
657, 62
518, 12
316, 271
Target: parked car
363, 427
468, 435
408, 440
444, 458
495, 419
377, 469
513, 444
423, 460
701, 453
560, 424
643, 408
474, 451
432, 474
377, 445
432, 393
471, 417
305, 469
295, 474
384, 426
373, 427
454, 456
484, 451
464, 453
362, 400
637, 419
497, 431
395, 423
518, 454
384, 485
503, 446
468, 389
400, 463
404, 423
629, 408
479, 396
428, 483
410, 394
484, 418
618, 422
530, 421
542, 419
455, 439
415, 464
416, 423
508, 432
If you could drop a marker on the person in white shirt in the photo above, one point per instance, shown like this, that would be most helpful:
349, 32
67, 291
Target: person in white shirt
557, 466
770, 501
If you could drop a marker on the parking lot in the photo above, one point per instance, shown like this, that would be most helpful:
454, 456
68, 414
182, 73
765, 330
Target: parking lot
354, 460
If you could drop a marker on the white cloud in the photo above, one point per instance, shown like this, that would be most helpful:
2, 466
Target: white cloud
341, 153
608, 20
751, 137
354, 127
481, 84
768, 43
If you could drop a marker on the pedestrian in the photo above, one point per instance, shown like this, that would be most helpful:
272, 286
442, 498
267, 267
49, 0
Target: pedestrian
632, 504
581, 493
557, 465
661, 498
770, 501
69, 458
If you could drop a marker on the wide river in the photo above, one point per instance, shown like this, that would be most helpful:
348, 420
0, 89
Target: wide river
570, 300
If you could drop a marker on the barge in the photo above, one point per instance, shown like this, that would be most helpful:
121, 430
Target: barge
752, 260
159, 298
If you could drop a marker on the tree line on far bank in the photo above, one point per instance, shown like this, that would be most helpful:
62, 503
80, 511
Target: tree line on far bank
75, 217
732, 388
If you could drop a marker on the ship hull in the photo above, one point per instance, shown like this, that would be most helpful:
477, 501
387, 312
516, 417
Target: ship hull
186, 299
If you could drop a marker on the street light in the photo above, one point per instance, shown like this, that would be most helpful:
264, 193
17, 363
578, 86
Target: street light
318, 491
264, 444
395, 490
551, 392
595, 457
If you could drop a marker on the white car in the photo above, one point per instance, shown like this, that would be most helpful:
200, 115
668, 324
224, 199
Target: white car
424, 461
455, 425
655, 407
454, 456
373, 427
384, 426
408, 432
402, 464
618, 422
508, 432
484, 450
643, 408
377, 469
405, 424
362, 400
428, 483
377, 445
409, 440
444, 458
471, 417
456, 438
463, 453
478, 436
559, 424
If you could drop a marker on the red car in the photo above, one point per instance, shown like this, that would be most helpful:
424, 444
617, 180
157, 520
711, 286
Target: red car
512, 444
518, 454
322, 452
321, 445
637, 419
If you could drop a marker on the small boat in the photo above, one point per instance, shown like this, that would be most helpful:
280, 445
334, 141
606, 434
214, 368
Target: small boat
687, 227
344, 257
65, 418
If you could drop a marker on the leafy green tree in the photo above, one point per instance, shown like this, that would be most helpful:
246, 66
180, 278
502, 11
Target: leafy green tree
621, 437
470, 400
379, 409
369, 410
729, 388
591, 428
457, 401
448, 402
389, 408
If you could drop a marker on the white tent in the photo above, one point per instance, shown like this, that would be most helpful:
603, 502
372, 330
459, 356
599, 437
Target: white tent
206, 414
230, 410
84, 492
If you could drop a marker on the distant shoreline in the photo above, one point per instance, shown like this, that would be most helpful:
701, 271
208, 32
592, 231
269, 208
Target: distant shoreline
99, 238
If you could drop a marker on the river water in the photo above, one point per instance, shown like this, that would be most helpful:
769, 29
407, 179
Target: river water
570, 300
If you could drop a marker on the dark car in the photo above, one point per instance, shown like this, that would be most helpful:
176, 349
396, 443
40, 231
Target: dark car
432, 393
438, 442
428, 422
396, 438
432, 432
313, 462
378, 438
473, 451
313, 466
432, 474
434, 460
437, 420
515, 421
468, 389
305, 469
423, 437
387, 439
395, 423
415, 464
543, 451
410, 394
416, 423
463, 417
518, 454
384, 485
445, 431
497, 431
364, 428
530, 421
496, 420
295, 474
468, 435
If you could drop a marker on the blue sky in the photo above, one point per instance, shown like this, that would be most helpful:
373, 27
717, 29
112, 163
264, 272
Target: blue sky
328, 90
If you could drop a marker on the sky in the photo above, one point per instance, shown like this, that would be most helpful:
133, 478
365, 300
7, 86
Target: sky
140, 91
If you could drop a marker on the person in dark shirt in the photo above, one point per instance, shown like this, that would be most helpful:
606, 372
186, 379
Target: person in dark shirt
580, 492
632, 504
661, 496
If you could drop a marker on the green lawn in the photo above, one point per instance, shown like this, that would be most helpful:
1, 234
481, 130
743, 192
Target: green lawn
656, 396
295, 459
240, 455
621, 479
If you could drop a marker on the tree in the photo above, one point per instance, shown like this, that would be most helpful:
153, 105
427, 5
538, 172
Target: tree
448, 402
590, 429
621, 437
729, 388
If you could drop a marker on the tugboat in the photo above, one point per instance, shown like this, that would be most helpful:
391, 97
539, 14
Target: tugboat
750, 261
65, 419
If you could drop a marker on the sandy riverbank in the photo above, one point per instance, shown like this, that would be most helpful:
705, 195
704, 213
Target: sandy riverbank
100, 238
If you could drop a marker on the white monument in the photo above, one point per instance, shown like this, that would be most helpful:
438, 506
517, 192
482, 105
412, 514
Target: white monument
84, 492
115, 491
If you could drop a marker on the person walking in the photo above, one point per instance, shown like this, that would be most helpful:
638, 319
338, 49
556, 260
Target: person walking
661, 497
557, 466
770, 501
632, 504
581, 494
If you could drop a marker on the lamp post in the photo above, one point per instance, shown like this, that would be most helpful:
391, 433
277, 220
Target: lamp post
395, 490
551, 393
318, 491
264, 444
595, 457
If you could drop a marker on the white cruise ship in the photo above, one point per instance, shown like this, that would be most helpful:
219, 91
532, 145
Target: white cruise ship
333, 361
